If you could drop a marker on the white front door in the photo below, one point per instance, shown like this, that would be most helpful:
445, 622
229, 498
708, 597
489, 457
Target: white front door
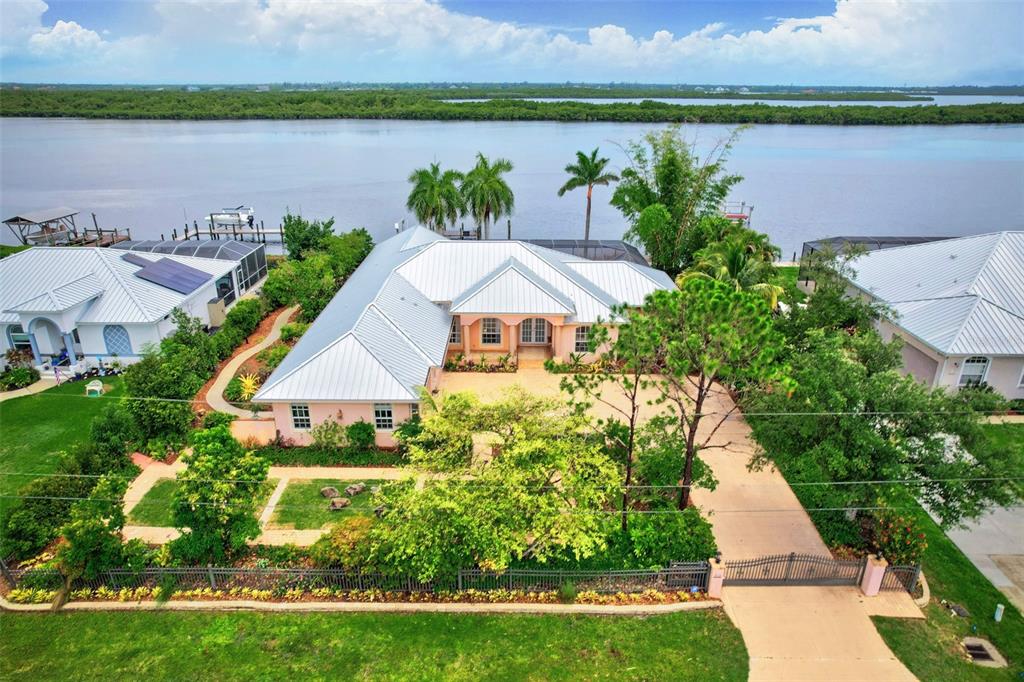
533, 331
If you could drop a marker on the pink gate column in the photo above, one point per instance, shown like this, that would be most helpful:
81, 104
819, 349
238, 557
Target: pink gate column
715, 578
874, 571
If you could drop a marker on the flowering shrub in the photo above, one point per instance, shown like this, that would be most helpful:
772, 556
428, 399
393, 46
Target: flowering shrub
899, 539
295, 594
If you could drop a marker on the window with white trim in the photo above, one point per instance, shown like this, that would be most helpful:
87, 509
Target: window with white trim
414, 410
300, 416
383, 417
490, 331
973, 371
117, 340
455, 335
582, 339
1020, 383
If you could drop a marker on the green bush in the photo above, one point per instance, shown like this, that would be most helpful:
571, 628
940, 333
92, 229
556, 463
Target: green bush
113, 434
293, 331
312, 455
280, 286
18, 377
346, 546
567, 593
328, 434
899, 539
658, 539
274, 355
214, 419
233, 391
361, 435
46, 502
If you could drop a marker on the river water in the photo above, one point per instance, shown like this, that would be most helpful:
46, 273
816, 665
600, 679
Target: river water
804, 182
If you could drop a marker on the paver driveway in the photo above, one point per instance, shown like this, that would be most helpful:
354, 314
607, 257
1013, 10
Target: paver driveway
791, 633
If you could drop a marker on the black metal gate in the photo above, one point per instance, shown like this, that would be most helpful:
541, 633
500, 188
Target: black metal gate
794, 569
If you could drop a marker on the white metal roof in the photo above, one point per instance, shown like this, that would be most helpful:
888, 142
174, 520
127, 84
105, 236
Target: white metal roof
512, 288
961, 296
70, 273
392, 316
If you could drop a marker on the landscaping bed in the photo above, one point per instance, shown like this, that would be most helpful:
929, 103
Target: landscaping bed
244, 646
317, 594
282, 455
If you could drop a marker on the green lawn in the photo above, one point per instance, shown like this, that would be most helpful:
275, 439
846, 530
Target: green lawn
302, 506
931, 649
6, 250
246, 646
35, 428
154, 509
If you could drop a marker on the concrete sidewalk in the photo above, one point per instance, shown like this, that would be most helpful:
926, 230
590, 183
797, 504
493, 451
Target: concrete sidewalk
215, 395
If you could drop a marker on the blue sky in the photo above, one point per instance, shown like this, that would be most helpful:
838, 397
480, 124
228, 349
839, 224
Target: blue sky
869, 42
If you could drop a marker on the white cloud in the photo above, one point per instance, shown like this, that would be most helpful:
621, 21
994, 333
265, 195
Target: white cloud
876, 42
65, 39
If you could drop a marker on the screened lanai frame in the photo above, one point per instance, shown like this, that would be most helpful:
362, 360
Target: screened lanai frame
869, 243
251, 256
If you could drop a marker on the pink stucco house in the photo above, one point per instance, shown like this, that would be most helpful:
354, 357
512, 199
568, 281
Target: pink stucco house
418, 299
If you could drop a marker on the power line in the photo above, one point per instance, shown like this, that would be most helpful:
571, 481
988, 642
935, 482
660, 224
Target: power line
735, 413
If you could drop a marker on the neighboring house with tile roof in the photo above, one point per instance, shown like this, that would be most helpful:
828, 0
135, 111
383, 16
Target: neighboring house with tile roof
958, 305
86, 306
418, 299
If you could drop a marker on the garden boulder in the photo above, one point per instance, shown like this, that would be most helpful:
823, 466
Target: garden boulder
355, 489
338, 503
330, 492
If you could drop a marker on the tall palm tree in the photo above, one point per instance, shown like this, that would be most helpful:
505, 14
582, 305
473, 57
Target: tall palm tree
435, 199
587, 172
744, 258
486, 195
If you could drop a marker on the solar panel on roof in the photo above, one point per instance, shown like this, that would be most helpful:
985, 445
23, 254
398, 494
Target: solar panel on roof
173, 275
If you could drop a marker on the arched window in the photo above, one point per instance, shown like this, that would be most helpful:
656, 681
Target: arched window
973, 371
117, 340
17, 338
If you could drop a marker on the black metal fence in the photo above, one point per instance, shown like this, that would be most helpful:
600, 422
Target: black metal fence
793, 569
683, 576
899, 578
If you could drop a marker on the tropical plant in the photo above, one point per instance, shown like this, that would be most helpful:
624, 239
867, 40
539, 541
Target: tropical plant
744, 259
587, 172
435, 198
485, 193
666, 171
250, 384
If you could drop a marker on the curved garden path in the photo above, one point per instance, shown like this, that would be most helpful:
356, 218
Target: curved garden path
215, 395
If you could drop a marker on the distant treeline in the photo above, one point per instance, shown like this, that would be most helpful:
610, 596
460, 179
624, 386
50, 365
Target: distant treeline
238, 104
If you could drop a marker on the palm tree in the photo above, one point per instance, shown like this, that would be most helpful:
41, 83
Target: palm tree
745, 259
485, 193
435, 199
587, 172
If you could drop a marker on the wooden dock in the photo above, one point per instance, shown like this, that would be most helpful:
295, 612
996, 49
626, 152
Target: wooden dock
257, 233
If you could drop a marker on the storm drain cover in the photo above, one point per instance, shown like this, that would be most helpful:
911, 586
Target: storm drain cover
983, 653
